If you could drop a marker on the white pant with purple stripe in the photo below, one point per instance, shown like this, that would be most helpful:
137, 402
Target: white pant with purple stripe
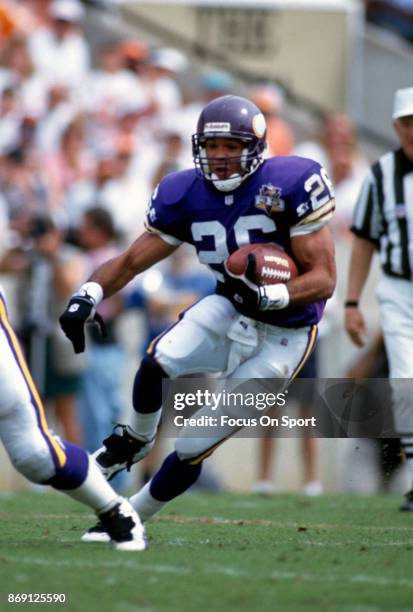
212, 337
33, 449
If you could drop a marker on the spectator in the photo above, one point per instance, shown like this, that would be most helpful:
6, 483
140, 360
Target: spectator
134, 54
18, 72
24, 187
71, 173
394, 15
121, 191
216, 83
159, 79
10, 119
59, 50
60, 112
270, 101
112, 90
112, 86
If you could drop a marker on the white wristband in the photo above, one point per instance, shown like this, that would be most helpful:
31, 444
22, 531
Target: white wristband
274, 297
91, 290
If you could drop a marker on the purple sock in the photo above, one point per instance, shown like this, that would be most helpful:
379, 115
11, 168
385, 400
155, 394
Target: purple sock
147, 386
173, 478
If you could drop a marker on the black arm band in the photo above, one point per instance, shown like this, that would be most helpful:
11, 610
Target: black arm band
351, 304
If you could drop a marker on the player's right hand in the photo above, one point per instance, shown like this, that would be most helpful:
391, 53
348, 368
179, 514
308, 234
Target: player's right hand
356, 326
79, 311
245, 289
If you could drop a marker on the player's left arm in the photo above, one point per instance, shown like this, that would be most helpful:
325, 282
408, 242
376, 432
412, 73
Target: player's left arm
314, 255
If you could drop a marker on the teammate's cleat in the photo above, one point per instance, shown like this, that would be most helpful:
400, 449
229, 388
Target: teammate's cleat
121, 451
407, 505
124, 527
97, 533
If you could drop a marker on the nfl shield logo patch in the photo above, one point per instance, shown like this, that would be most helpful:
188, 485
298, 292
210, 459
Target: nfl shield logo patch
269, 199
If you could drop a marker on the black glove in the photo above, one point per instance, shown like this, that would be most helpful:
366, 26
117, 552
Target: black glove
251, 269
79, 311
264, 297
244, 287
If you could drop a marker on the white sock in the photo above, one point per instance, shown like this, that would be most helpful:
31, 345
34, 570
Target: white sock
144, 504
144, 425
95, 492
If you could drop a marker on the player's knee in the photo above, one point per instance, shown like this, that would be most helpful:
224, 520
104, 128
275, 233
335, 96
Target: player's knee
183, 348
190, 449
73, 472
34, 463
13, 400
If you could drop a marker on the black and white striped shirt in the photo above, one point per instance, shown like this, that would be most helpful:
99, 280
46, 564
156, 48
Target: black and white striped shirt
384, 212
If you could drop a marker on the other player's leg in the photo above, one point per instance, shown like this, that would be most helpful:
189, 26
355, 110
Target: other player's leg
43, 458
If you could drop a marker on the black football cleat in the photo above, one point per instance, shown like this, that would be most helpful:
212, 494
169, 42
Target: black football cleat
124, 527
120, 451
97, 533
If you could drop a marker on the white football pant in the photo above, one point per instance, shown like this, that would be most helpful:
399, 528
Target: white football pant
33, 449
212, 337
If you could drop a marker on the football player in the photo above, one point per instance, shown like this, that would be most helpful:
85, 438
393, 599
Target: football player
233, 197
42, 457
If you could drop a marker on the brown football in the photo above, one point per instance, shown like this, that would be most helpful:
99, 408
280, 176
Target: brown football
273, 264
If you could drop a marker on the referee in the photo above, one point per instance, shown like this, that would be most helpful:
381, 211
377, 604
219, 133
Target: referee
383, 221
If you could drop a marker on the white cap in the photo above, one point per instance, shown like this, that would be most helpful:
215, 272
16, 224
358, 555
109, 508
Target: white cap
170, 59
403, 103
67, 10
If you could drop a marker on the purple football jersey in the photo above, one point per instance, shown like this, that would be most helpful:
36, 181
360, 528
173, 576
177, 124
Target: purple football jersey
286, 196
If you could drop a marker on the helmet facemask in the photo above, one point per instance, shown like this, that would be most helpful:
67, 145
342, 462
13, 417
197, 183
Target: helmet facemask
250, 159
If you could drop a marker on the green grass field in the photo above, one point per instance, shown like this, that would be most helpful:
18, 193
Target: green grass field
215, 552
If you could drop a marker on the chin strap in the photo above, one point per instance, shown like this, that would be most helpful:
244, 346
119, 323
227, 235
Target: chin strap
228, 184
233, 181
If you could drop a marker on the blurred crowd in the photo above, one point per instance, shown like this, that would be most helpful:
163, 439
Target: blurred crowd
393, 15
85, 136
